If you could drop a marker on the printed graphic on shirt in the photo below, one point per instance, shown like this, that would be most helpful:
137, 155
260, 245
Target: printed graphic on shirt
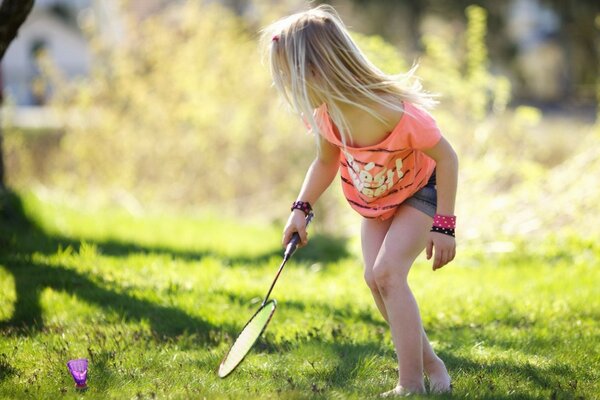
373, 180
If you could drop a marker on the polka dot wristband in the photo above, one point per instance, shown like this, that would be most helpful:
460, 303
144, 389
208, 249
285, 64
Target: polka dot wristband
444, 221
449, 232
444, 224
302, 206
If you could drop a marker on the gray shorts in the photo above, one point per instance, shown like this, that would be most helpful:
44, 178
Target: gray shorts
425, 199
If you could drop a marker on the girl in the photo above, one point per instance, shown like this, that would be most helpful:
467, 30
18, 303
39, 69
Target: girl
394, 164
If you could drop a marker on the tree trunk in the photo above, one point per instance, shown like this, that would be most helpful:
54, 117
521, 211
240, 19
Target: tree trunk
12, 15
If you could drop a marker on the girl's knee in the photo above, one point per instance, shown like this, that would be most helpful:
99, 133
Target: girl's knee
388, 274
370, 280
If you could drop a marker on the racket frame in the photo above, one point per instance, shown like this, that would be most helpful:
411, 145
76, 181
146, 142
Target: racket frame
290, 249
264, 305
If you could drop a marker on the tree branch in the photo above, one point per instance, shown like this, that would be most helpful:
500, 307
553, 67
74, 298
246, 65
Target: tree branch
12, 15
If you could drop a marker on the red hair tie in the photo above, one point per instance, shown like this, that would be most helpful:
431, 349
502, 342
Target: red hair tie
275, 38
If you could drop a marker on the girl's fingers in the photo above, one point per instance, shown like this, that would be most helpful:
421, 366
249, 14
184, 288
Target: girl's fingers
289, 232
429, 250
287, 236
442, 258
303, 236
443, 252
437, 259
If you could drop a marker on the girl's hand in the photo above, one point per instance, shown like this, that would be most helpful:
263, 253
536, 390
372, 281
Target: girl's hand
445, 249
296, 223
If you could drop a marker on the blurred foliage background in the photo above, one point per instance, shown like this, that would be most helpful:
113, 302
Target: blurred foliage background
181, 116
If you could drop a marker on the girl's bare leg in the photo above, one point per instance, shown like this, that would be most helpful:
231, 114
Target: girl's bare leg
435, 369
373, 234
391, 247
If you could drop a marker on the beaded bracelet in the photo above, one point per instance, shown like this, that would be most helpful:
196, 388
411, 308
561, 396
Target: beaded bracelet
303, 206
445, 224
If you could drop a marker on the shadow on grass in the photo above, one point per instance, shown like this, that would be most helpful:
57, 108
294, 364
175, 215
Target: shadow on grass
486, 378
6, 369
358, 368
19, 232
555, 380
353, 365
341, 314
322, 248
32, 277
20, 238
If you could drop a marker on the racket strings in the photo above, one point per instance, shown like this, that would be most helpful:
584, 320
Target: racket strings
247, 338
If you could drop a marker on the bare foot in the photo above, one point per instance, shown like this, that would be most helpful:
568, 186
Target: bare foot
400, 391
439, 379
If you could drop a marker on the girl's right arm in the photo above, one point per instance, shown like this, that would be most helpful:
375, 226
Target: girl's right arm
319, 176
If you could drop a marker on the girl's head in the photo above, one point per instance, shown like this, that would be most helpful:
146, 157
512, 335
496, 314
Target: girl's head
314, 60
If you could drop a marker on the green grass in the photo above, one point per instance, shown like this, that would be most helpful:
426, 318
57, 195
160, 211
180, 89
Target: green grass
154, 303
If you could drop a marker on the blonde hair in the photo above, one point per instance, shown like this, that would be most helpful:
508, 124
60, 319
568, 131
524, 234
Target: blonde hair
313, 60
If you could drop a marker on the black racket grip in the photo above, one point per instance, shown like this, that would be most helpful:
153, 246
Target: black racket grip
293, 244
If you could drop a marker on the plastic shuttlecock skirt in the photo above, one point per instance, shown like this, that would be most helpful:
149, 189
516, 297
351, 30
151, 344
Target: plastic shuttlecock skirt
78, 369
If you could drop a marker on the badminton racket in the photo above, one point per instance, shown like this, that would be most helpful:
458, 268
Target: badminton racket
259, 321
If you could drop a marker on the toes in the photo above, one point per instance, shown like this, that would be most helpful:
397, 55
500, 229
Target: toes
439, 388
398, 391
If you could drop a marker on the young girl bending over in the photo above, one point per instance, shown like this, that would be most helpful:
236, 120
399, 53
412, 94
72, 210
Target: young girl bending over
397, 170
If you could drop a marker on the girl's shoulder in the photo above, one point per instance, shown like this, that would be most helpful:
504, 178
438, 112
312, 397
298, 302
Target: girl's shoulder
323, 120
418, 128
419, 115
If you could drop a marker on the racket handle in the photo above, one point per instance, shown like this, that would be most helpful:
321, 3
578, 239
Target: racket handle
293, 244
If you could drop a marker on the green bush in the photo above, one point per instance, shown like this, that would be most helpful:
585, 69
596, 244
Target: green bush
182, 114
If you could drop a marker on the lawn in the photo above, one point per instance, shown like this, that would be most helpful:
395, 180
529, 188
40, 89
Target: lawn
154, 302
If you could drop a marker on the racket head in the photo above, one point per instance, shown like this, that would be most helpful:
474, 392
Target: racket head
247, 337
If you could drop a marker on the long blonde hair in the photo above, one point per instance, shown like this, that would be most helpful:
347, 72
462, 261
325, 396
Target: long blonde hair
313, 60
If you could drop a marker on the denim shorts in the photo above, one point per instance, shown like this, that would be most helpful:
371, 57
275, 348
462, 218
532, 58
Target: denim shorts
425, 199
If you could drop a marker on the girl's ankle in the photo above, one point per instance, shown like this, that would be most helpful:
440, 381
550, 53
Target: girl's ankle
433, 363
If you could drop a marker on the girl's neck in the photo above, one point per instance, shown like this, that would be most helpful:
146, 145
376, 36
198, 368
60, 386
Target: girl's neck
351, 111
368, 103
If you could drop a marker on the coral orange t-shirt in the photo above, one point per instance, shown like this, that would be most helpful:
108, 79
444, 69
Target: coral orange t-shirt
377, 179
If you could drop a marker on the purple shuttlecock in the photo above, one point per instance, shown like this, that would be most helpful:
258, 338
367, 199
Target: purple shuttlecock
78, 369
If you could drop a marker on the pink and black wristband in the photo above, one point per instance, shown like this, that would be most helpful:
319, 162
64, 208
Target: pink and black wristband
303, 206
445, 224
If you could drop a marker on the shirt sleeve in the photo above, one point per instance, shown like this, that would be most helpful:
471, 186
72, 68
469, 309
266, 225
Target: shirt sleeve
320, 116
424, 132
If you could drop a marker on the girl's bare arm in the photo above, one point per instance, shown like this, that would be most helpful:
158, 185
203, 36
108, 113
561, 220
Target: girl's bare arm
446, 175
319, 176
446, 182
